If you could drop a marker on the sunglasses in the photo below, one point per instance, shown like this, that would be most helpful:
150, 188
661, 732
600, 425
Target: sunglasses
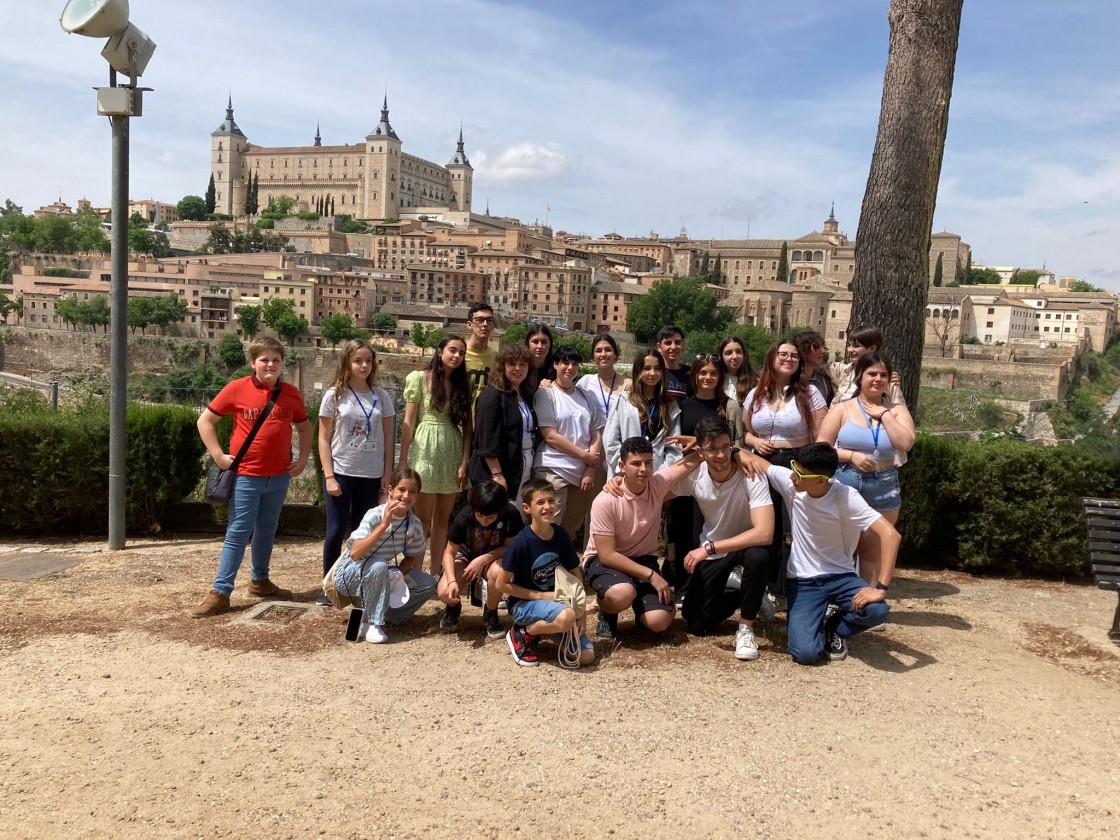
707, 357
800, 476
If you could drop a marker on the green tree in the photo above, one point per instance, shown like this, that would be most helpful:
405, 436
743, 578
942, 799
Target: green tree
192, 208
291, 326
231, 352
91, 236
18, 307
705, 265
7, 306
220, 240
515, 334
337, 327
249, 320
19, 231
10, 208
139, 313
5, 266
275, 309
167, 310
56, 235
281, 205
211, 199
1084, 286
938, 271
144, 241
251, 203
682, 301
67, 311
717, 272
1027, 276
384, 322
982, 274
426, 335
783, 264
137, 220
94, 312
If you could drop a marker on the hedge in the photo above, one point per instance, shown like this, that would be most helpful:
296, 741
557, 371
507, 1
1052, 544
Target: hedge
1001, 506
54, 468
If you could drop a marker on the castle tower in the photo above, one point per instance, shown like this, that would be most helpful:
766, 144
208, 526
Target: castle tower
226, 165
462, 178
318, 139
831, 225
382, 196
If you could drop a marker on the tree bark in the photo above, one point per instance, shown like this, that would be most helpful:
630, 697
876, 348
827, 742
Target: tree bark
891, 279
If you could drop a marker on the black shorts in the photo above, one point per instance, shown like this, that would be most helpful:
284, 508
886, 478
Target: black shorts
602, 577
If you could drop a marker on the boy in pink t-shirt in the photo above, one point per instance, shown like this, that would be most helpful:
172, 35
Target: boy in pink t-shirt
621, 556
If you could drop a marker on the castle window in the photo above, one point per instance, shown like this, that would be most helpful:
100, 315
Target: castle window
219, 145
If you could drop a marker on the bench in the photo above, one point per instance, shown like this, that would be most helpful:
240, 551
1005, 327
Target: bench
1103, 519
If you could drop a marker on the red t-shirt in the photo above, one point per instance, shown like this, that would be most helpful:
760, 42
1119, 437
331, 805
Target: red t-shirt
271, 451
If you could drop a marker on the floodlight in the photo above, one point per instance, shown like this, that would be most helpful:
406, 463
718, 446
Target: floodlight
128, 50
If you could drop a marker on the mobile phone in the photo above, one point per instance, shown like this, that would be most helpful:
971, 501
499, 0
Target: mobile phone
354, 624
476, 593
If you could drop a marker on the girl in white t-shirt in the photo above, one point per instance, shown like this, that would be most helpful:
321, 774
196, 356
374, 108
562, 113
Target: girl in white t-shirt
355, 444
571, 427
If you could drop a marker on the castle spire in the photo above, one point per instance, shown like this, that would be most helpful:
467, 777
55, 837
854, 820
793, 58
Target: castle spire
460, 157
832, 212
384, 128
229, 126
318, 139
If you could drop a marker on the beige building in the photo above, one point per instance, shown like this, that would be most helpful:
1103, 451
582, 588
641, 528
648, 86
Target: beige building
610, 303
155, 212
374, 179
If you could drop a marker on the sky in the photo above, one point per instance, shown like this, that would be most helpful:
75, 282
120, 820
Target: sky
725, 119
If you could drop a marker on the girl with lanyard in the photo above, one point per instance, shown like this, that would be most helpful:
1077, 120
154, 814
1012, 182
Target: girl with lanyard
780, 415
646, 410
365, 569
868, 431
605, 385
739, 376
505, 424
355, 434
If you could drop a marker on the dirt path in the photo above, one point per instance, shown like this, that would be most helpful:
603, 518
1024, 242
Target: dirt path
987, 709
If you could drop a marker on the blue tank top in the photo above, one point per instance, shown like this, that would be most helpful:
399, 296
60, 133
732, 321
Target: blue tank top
861, 439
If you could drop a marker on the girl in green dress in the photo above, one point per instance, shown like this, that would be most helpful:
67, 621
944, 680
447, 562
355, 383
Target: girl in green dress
436, 438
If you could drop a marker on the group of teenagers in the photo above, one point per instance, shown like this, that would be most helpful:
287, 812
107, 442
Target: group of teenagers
776, 488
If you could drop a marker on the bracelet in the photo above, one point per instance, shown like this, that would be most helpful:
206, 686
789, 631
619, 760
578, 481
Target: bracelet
329, 477
651, 574
496, 475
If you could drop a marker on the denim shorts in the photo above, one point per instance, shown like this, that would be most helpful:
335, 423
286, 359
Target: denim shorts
528, 612
879, 489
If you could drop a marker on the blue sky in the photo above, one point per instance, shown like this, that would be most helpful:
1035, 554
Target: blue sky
633, 117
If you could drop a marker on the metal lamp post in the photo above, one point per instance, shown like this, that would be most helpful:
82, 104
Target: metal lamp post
128, 51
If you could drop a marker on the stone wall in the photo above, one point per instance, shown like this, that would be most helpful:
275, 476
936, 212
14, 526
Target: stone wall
1047, 381
47, 354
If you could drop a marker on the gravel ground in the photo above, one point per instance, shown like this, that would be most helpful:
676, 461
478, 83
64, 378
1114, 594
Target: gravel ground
989, 708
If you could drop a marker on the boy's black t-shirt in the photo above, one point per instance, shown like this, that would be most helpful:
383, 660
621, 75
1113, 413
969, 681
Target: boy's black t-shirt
533, 561
678, 382
474, 540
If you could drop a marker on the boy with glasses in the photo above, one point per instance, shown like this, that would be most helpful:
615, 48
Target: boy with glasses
738, 527
828, 602
480, 358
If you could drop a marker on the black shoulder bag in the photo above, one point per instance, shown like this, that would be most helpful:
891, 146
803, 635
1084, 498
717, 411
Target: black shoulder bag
219, 482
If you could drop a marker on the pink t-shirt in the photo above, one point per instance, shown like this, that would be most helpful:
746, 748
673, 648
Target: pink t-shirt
634, 521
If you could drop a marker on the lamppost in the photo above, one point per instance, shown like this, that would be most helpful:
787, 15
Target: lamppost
128, 51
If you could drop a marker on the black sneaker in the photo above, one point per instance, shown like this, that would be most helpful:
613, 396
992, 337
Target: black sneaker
450, 620
607, 628
835, 648
493, 624
522, 646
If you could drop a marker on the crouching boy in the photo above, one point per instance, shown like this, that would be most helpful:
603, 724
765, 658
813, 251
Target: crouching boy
828, 602
528, 576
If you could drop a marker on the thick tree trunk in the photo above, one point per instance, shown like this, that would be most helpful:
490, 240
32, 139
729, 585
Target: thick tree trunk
892, 245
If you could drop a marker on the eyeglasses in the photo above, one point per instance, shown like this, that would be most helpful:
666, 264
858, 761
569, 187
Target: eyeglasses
484, 321
707, 357
789, 357
717, 450
800, 476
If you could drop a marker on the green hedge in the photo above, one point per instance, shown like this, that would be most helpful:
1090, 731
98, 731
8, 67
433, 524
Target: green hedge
55, 467
1000, 506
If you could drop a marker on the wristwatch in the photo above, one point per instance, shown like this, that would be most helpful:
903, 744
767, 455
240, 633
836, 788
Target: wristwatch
880, 585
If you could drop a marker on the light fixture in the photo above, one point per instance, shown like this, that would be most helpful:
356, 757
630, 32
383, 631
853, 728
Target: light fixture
128, 49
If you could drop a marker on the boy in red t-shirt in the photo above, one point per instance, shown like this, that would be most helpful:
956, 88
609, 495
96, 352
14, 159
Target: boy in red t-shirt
263, 474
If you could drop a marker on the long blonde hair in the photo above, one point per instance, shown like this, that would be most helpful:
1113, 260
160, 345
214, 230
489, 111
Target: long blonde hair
342, 371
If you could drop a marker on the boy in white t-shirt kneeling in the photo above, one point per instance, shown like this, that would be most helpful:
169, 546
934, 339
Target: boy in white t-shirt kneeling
828, 602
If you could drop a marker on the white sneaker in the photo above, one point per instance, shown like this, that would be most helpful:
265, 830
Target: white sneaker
376, 635
878, 627
746, 648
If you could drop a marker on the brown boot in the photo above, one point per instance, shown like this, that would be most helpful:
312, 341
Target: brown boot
214, 603
267, 589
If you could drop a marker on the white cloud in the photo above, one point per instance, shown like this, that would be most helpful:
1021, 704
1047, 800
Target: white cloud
521, 163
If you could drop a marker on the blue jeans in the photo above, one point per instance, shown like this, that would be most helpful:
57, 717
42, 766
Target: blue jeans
369, 581
345, 511
254, 511
809, 597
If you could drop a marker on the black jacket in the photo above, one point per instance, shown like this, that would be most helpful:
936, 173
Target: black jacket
497, 434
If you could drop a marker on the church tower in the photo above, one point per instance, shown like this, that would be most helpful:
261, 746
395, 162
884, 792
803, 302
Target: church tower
383, 170
831, 226
462, 178
226, 165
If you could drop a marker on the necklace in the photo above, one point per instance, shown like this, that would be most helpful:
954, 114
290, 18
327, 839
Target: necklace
717, 486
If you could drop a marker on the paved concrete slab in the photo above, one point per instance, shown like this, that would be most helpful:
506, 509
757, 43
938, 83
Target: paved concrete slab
31, 565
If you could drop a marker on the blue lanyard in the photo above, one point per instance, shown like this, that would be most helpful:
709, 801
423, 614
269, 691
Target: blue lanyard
606, 397
872, 428
526, 416
646, 423
368, 414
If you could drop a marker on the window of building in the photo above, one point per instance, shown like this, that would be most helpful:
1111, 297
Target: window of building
989, 325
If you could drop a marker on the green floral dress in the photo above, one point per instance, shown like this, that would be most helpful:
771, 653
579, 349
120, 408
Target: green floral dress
437, 444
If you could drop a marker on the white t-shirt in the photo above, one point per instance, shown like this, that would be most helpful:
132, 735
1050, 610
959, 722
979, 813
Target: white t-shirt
825, 530
591, 386
358, 441
726, 507
574, 416
786, 423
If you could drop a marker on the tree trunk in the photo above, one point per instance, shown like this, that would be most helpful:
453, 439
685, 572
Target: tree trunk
892, 245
